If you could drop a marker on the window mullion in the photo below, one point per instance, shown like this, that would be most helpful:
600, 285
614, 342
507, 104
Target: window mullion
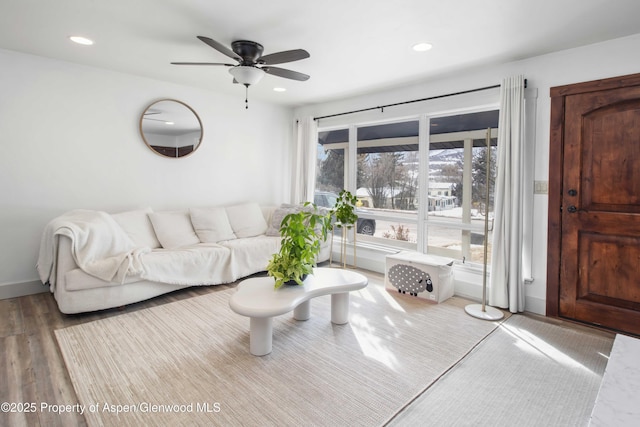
351, 160
467, 196
423, 183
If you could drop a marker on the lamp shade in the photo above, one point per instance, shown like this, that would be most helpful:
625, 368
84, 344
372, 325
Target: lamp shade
246, 75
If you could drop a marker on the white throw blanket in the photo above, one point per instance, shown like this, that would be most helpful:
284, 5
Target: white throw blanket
99, 247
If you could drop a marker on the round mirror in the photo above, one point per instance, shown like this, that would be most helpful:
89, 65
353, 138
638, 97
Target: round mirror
171, 128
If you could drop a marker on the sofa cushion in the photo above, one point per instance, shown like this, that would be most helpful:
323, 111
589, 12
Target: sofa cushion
211, 224
252, 254
247, 220
138, 227
174, 229
201, 264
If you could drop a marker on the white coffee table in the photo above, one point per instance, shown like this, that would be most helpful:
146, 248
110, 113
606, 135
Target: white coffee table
257, 299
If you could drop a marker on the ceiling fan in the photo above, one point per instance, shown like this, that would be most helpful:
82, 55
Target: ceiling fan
252, 65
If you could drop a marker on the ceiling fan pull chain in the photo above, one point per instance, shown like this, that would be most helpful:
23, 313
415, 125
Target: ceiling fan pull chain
246, 97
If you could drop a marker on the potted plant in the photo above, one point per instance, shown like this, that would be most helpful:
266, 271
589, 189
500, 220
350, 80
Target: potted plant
344, 209
302, 233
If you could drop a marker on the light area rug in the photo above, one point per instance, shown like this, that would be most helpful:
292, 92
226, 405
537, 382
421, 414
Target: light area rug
188, 362
526, 373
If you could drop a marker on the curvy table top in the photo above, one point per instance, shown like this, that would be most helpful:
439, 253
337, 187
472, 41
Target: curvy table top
257, 297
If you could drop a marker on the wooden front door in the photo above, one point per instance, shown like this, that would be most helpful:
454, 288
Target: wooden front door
594, 230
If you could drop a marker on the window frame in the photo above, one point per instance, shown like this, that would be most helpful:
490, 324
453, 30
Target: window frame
421, 218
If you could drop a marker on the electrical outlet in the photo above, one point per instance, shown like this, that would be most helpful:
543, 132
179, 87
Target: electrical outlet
540, 187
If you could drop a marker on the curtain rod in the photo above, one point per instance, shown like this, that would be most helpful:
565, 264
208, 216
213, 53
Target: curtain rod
382, 107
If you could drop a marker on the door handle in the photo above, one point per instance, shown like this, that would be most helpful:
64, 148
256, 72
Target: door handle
572, 209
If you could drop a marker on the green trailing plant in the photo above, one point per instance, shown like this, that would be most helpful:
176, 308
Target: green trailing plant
302, 233
344, 209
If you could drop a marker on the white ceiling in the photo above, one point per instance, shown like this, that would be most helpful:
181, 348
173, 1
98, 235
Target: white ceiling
356, 46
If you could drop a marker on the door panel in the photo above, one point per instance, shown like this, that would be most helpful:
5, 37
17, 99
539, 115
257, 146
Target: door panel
599, 274
611, 157
604, 254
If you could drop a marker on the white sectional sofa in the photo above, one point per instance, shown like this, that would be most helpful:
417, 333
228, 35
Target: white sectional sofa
93, 260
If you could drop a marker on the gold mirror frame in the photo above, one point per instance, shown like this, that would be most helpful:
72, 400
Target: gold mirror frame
171, 128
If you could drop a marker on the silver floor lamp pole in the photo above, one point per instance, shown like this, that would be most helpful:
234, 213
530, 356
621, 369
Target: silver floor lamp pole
483, 311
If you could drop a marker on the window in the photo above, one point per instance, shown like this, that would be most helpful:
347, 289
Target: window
387, 180
458, 184
445, 216
330, 165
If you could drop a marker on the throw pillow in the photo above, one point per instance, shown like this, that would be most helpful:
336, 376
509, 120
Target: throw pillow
286, 209
247, 220
211, 224
138, 227
174, 229
277, 217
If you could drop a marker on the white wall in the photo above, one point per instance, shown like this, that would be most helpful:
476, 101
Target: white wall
69, 139
602, 60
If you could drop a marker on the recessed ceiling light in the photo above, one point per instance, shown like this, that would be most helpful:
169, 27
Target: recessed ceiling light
279, 89
81, 40
169, 123
422, 47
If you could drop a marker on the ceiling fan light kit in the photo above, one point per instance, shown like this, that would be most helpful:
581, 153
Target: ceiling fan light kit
247, 75
252, 65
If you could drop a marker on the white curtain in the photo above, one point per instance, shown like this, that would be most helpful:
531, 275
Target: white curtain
507, 281
304, 163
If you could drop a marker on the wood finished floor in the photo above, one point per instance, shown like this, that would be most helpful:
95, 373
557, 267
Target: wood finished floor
31, 366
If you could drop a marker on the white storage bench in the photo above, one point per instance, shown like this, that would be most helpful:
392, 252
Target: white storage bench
423, 276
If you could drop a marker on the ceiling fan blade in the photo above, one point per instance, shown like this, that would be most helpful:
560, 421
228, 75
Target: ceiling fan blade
285, 56
220, 47
202, 63
287, 74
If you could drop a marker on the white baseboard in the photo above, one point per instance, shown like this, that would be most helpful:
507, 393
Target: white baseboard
15, 290
467, 290
535, 305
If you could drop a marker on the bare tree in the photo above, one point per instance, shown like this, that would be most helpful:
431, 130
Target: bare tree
407, 181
